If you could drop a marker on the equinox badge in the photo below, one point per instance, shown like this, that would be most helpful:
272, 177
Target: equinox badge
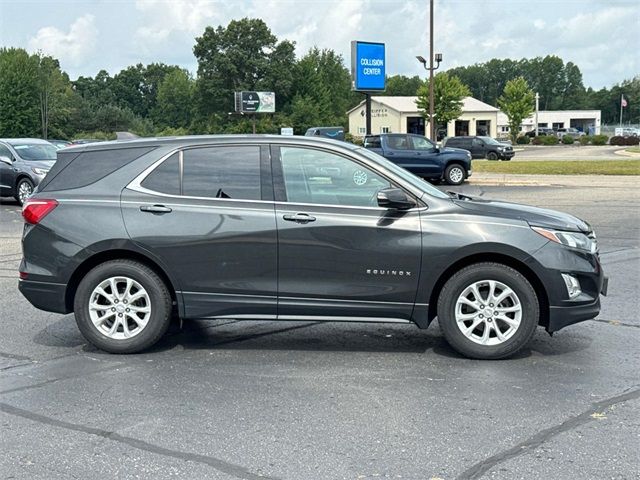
391, 273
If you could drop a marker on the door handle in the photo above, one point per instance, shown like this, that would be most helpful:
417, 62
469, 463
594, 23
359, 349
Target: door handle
299, 218
155, 209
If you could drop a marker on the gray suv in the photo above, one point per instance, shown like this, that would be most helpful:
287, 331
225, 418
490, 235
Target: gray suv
129, 234
23, 164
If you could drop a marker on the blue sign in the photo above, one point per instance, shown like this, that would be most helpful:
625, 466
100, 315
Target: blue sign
368, 66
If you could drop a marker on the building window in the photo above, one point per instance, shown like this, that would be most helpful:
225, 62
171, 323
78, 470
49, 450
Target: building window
384, 130
557, 125
362, 130
504, 129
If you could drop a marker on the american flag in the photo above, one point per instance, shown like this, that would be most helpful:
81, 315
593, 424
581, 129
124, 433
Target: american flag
623, 102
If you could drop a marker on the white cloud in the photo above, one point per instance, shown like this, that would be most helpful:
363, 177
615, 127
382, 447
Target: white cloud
166, 17
70, 47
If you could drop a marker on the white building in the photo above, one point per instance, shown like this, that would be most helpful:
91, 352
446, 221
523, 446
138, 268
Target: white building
587, 121
401, 115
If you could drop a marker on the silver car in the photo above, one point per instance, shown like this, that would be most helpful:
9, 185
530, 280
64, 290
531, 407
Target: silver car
24, 162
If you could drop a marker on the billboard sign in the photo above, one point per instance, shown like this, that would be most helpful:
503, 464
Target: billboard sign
255, 102
368, 66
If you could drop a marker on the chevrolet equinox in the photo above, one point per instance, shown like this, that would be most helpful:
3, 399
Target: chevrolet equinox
128, 235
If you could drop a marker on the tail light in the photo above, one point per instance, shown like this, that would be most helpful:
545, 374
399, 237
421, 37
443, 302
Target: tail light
35, 210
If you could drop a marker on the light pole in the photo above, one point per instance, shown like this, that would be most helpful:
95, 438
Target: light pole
430, 69
537, 106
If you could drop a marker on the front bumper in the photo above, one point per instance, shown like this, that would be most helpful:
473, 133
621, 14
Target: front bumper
557, 260
506, 155
560, 317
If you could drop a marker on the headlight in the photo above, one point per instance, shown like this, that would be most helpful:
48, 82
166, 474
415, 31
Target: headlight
39, 171
570, 239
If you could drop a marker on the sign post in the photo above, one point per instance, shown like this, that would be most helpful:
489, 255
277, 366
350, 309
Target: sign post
368, 72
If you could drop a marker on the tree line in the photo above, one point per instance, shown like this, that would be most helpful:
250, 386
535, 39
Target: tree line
37, 98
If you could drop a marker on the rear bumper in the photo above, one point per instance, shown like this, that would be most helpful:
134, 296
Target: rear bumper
44, 295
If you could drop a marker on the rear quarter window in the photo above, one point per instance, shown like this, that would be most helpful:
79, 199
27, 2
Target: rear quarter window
76, 170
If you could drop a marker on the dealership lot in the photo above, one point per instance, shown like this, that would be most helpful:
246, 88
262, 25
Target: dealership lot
226, 399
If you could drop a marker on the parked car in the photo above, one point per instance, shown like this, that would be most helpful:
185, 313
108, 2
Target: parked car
279, 228
84, 141
336, 133
59, 143
483, 147
421, 156
571, 132
24, 162
542, 132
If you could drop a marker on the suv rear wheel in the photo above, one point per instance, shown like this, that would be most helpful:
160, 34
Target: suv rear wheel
488, 311
122, 306
492, 156
454, 174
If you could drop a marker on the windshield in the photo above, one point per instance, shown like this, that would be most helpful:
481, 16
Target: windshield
490, 141
404, 174
35, 151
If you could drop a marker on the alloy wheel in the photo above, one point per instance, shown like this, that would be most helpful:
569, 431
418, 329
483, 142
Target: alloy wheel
119, 307
488, 312
24, 191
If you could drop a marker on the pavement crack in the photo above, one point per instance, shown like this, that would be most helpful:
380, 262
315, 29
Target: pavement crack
234, 470
479, 469
14, 356
616, 323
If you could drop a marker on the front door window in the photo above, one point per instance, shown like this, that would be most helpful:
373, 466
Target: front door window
319, 177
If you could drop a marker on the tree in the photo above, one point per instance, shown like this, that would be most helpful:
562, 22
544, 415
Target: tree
517, 102
448, 94
174, 103
245, 55
402, 86
18, 93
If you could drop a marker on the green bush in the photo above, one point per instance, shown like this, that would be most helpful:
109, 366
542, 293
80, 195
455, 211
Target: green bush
624, 141
353, 139
585, 139
599, 140
523, 140
568, 140
545, 140
97, 135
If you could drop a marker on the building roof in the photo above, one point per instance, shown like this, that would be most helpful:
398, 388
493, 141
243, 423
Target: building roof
408, 104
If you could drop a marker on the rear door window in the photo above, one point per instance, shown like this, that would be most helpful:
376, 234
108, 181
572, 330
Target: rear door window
222, 172
398, 142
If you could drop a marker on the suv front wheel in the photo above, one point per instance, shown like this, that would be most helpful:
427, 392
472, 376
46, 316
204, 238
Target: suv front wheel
488, 311
454, 174
122, 306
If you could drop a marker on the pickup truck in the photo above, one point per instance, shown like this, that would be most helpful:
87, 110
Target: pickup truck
422, 157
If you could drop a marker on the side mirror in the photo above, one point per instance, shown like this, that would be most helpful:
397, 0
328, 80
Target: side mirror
395, 198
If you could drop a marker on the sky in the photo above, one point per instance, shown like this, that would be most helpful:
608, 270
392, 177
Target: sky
601, 37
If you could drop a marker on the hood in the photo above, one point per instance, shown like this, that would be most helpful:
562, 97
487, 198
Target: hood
46, 164
540, 217
454, 150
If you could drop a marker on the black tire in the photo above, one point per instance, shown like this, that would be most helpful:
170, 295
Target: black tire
160, 302
454, 174
492, 156
477, 273
24, 183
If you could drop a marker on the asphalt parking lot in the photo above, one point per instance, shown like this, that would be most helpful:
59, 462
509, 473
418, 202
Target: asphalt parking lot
569, 152
242, 400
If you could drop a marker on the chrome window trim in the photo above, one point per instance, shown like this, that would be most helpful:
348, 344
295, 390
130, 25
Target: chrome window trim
136, 183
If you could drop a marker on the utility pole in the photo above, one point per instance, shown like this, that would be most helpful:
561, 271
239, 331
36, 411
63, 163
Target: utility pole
432, 127
537, 106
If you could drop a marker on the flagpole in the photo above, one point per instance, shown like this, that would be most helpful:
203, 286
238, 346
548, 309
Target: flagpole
621, 98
